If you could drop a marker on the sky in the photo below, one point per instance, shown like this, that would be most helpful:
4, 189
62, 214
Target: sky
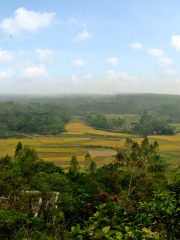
89, 46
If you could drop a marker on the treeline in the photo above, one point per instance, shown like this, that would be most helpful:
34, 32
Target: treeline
149, 125
130, 198
114, 104
170, 111
34, 118
100, 122
48, 115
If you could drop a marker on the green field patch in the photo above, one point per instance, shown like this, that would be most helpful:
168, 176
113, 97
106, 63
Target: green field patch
160, 141
67, 159
61, 140
14, 142
80, 151
65, 150
54, 155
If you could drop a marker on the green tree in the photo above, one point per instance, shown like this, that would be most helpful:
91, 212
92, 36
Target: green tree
26, 161
87, 156
92, 167
74, 164
19, 147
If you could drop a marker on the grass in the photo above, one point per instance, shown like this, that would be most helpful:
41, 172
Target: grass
67, 159
64, 150
106, 143
49, 140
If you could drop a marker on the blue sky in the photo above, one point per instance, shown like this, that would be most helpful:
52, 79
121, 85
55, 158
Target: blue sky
50, 47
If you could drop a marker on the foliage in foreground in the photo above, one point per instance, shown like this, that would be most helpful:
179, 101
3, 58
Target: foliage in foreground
127, 199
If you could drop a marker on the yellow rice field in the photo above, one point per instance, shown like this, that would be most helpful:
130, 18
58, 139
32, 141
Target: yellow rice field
105, 143
62, 156
80, 128
14, 142
172, 138
167, 147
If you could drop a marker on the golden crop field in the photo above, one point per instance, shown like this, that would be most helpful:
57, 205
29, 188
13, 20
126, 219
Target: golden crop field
167, 147
105, 143
10, 152
14, 142
171, 138
80, 128
61, 156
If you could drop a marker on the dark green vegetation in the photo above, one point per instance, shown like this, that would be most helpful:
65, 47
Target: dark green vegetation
130, 198
48, 115
149, 125
100, 122
34, 118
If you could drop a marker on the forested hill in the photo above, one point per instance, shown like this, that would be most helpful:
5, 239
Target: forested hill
122, 103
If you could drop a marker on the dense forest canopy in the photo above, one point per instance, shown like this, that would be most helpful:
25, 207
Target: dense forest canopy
34, 118
162, 104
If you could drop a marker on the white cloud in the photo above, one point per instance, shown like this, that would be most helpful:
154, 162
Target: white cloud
164, 62
82, 36
112, 61
155, 78
74, 78
6, 56
78, 63
72, 20
137, 46
75, 22
175, 42
170, 71
28, 20
87, 76
44, 54
34, 72
7, 74
156, 52
113, 76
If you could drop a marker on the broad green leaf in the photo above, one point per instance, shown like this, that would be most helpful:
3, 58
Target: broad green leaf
99, 232
156, 236
146, 230
119, 235
106, 229
127, 228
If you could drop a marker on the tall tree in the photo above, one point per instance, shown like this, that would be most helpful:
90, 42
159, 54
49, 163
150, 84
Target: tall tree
74, 164
18, 148
92, 167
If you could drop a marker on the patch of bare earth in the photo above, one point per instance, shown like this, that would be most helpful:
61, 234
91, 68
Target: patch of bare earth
102, 152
